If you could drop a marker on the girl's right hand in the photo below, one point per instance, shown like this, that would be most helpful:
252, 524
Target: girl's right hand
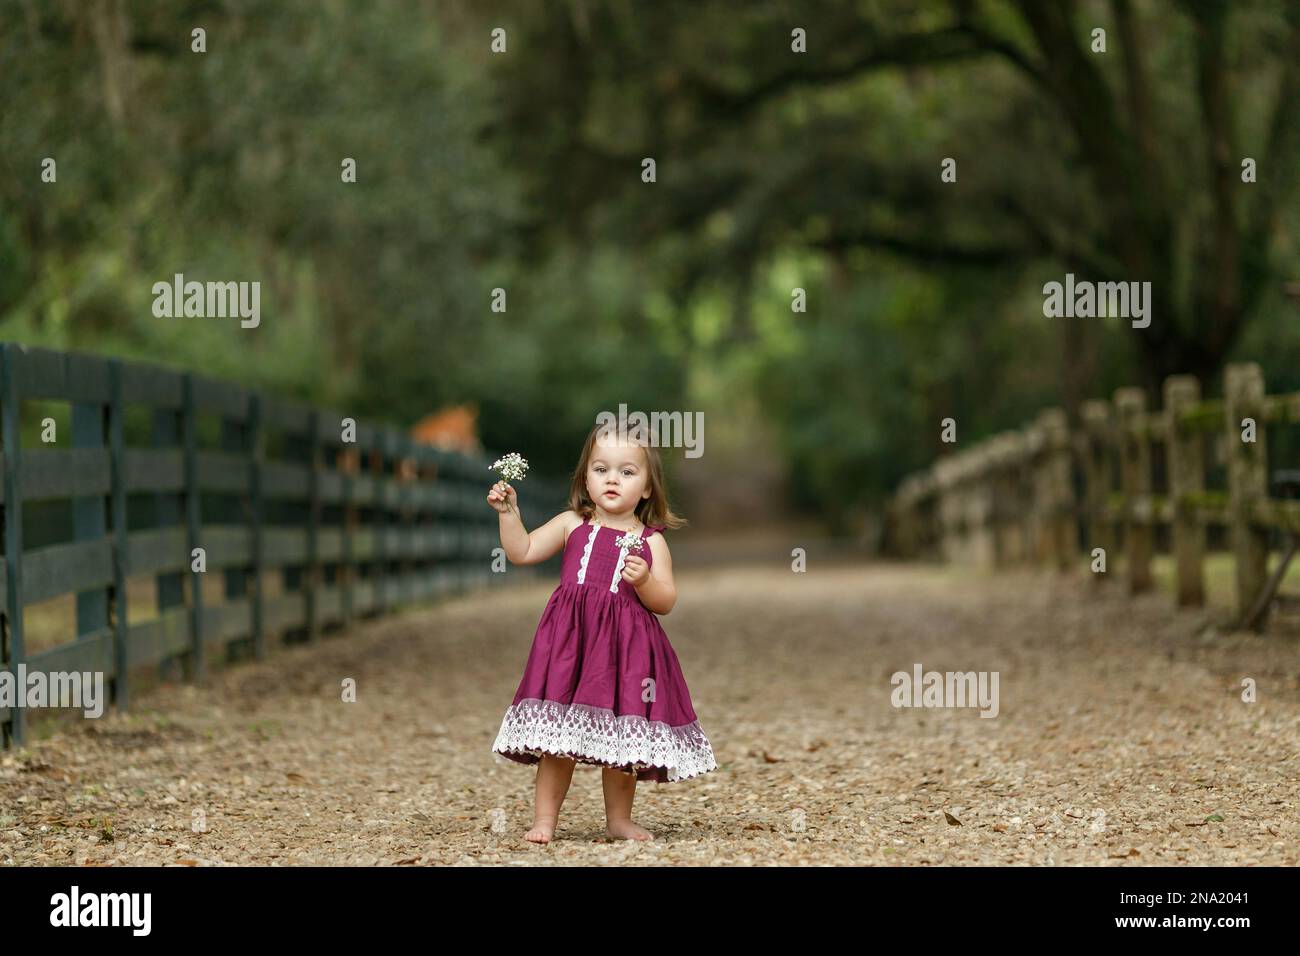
503, 498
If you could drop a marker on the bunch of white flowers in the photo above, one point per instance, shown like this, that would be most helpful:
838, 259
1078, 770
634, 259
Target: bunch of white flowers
512, 467
629, 542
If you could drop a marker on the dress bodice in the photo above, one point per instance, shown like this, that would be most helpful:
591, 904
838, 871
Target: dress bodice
592, 558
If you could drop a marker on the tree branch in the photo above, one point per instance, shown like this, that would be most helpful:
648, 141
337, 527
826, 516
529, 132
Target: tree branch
923, 248
951, 44
1138, 89
1086, 103
988, 40
1219, 285
1275, 179
1103, 266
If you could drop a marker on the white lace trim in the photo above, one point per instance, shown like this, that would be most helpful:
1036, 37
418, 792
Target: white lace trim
586, 553
579, 730
618, 568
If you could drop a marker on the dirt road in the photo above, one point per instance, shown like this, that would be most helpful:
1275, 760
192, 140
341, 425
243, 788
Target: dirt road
1121, 739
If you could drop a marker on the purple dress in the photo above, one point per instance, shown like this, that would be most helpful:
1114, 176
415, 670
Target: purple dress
602, 684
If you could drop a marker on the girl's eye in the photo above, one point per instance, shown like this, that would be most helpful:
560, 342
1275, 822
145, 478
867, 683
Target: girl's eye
627, 473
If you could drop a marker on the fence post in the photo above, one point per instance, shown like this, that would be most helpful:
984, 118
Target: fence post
1186, 467
947, 507
193, 523
121, 554
89, 518
376, 461
1032, 483
406, 515
961, 502
1247, 479
1059, 487
1022, 482
256, 456
1009, 477
235, 438
312, 572
1095, 415
348, 463
169, 586
980, 506
15, 653
995, 484
903, 519
1135, 472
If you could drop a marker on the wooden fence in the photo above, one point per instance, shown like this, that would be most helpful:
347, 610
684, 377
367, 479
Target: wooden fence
1124, 475
269, 489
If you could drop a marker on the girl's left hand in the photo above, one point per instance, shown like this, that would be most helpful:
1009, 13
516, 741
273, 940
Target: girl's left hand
635, 570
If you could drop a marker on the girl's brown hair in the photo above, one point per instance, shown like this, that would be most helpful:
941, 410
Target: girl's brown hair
651, 512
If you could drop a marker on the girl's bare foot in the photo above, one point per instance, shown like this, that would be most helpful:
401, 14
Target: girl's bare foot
627, 830
542, 832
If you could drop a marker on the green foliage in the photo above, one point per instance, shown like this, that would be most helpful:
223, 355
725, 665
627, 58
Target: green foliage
521, 171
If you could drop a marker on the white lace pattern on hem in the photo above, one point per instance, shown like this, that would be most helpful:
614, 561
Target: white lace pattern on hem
536, 726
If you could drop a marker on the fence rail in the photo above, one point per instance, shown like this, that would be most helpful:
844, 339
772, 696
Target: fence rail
271, 491
1123, 474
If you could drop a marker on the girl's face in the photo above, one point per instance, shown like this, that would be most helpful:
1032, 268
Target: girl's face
617, 477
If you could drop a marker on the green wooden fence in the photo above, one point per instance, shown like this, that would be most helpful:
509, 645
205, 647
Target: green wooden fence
266, 487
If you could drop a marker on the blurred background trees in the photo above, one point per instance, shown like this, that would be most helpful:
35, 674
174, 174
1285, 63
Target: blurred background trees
775, 171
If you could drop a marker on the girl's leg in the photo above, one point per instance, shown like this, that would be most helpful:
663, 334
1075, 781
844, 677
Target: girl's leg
620, 789
554, 774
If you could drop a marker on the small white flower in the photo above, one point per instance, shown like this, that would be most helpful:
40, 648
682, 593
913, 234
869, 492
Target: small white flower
512, 467
629, 541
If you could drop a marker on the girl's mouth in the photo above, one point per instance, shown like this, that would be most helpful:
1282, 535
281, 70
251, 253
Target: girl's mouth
611, 494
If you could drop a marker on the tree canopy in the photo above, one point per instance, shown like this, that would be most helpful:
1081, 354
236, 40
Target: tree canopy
796, 147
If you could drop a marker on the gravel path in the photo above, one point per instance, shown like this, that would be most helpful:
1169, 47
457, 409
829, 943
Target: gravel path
1121, 739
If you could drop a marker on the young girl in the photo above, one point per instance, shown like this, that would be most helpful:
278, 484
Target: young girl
602, 685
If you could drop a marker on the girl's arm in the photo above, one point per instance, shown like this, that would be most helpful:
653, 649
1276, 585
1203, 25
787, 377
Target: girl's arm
524, 548
657, 590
